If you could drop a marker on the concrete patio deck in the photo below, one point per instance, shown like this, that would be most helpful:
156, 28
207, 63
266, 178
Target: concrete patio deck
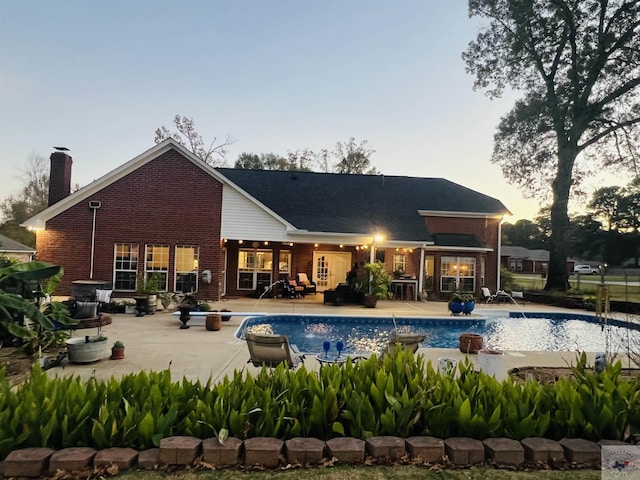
155, 342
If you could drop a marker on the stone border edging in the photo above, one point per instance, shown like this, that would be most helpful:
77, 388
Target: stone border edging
271, 452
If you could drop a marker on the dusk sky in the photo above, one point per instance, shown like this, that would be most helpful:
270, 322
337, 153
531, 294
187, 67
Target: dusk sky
100, 77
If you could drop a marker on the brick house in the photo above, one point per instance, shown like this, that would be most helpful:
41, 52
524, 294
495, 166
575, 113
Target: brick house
233, 232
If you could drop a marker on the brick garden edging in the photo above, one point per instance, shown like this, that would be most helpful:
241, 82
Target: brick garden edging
271, 452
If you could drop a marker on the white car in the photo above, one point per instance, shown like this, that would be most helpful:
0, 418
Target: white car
586, 270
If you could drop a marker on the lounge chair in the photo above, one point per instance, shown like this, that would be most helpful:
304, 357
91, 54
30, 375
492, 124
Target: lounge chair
500, 296
272, 350
309, 286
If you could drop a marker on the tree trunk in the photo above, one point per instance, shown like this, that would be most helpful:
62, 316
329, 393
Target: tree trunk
558, 278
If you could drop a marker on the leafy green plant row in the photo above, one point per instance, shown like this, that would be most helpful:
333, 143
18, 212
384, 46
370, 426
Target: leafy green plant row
400, 395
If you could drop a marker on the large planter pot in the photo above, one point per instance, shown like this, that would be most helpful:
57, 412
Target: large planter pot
370, 301
87, 349
213, 322
456, 308
152, 304
468, 307
141, 305
470, 342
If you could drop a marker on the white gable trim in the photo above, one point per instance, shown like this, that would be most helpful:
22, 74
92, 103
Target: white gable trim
38, 222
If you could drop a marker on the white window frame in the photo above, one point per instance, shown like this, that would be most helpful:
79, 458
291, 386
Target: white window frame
253, 270
149, 249
456, 273
194, 271
131, 261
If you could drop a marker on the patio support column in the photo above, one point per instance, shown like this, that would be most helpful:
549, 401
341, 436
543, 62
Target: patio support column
372, 259
421, 269
499, 253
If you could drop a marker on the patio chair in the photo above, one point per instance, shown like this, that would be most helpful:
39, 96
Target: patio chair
272, 350
499, 297
309, 286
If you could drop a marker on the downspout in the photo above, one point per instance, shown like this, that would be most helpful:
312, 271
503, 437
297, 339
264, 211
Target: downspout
421, 276
93, 242
499, 253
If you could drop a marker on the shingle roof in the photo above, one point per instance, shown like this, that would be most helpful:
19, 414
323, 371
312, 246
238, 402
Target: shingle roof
359, 204
9, 245
525, 253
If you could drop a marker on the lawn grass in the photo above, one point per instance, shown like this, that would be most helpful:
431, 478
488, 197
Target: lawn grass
402, 472
585, 285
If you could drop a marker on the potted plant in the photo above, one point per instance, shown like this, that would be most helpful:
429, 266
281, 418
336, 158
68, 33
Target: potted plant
148, 287
469, 303
188, 303
117, 351
375, 284
456, 303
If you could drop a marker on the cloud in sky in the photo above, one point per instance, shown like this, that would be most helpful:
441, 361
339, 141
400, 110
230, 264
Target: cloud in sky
100, 77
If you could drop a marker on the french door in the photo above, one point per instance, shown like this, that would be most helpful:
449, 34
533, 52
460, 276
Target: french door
330, 269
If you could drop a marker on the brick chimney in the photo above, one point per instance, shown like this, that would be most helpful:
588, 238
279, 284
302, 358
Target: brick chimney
59, 177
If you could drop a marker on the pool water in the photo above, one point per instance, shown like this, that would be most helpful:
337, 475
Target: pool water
568, 332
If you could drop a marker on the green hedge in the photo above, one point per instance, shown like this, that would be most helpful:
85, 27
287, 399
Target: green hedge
401, 396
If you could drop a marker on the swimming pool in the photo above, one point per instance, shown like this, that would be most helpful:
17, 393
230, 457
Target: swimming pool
539, 331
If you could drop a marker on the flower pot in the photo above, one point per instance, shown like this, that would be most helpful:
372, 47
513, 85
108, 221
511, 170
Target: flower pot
456, 308
470, 342
117, 353
141, 306
152, 304
213, 322
468, 307
370, 301
86, 349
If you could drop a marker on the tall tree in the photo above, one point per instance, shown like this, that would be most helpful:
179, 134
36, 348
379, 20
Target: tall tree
523, 233
188, 136
577, 63
353, 157
605, 206
32, 198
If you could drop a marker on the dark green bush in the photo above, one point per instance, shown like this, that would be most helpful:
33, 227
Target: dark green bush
399, 395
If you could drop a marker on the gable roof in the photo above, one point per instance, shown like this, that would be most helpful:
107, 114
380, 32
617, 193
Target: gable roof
8, 245
318, 203
39, 220
361, 204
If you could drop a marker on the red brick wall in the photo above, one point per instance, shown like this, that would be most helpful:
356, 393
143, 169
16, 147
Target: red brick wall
168, 201
486, 229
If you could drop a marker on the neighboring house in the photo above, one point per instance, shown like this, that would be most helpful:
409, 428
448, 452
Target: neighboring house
521, 259
11, 249
234, 232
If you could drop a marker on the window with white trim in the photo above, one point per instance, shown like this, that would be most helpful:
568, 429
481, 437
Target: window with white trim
284, 263
186, 266
254, 268
457, 273
125, 267
157, 261
399, 262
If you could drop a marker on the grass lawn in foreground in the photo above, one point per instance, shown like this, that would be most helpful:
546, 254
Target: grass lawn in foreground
403, 472
620, 288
